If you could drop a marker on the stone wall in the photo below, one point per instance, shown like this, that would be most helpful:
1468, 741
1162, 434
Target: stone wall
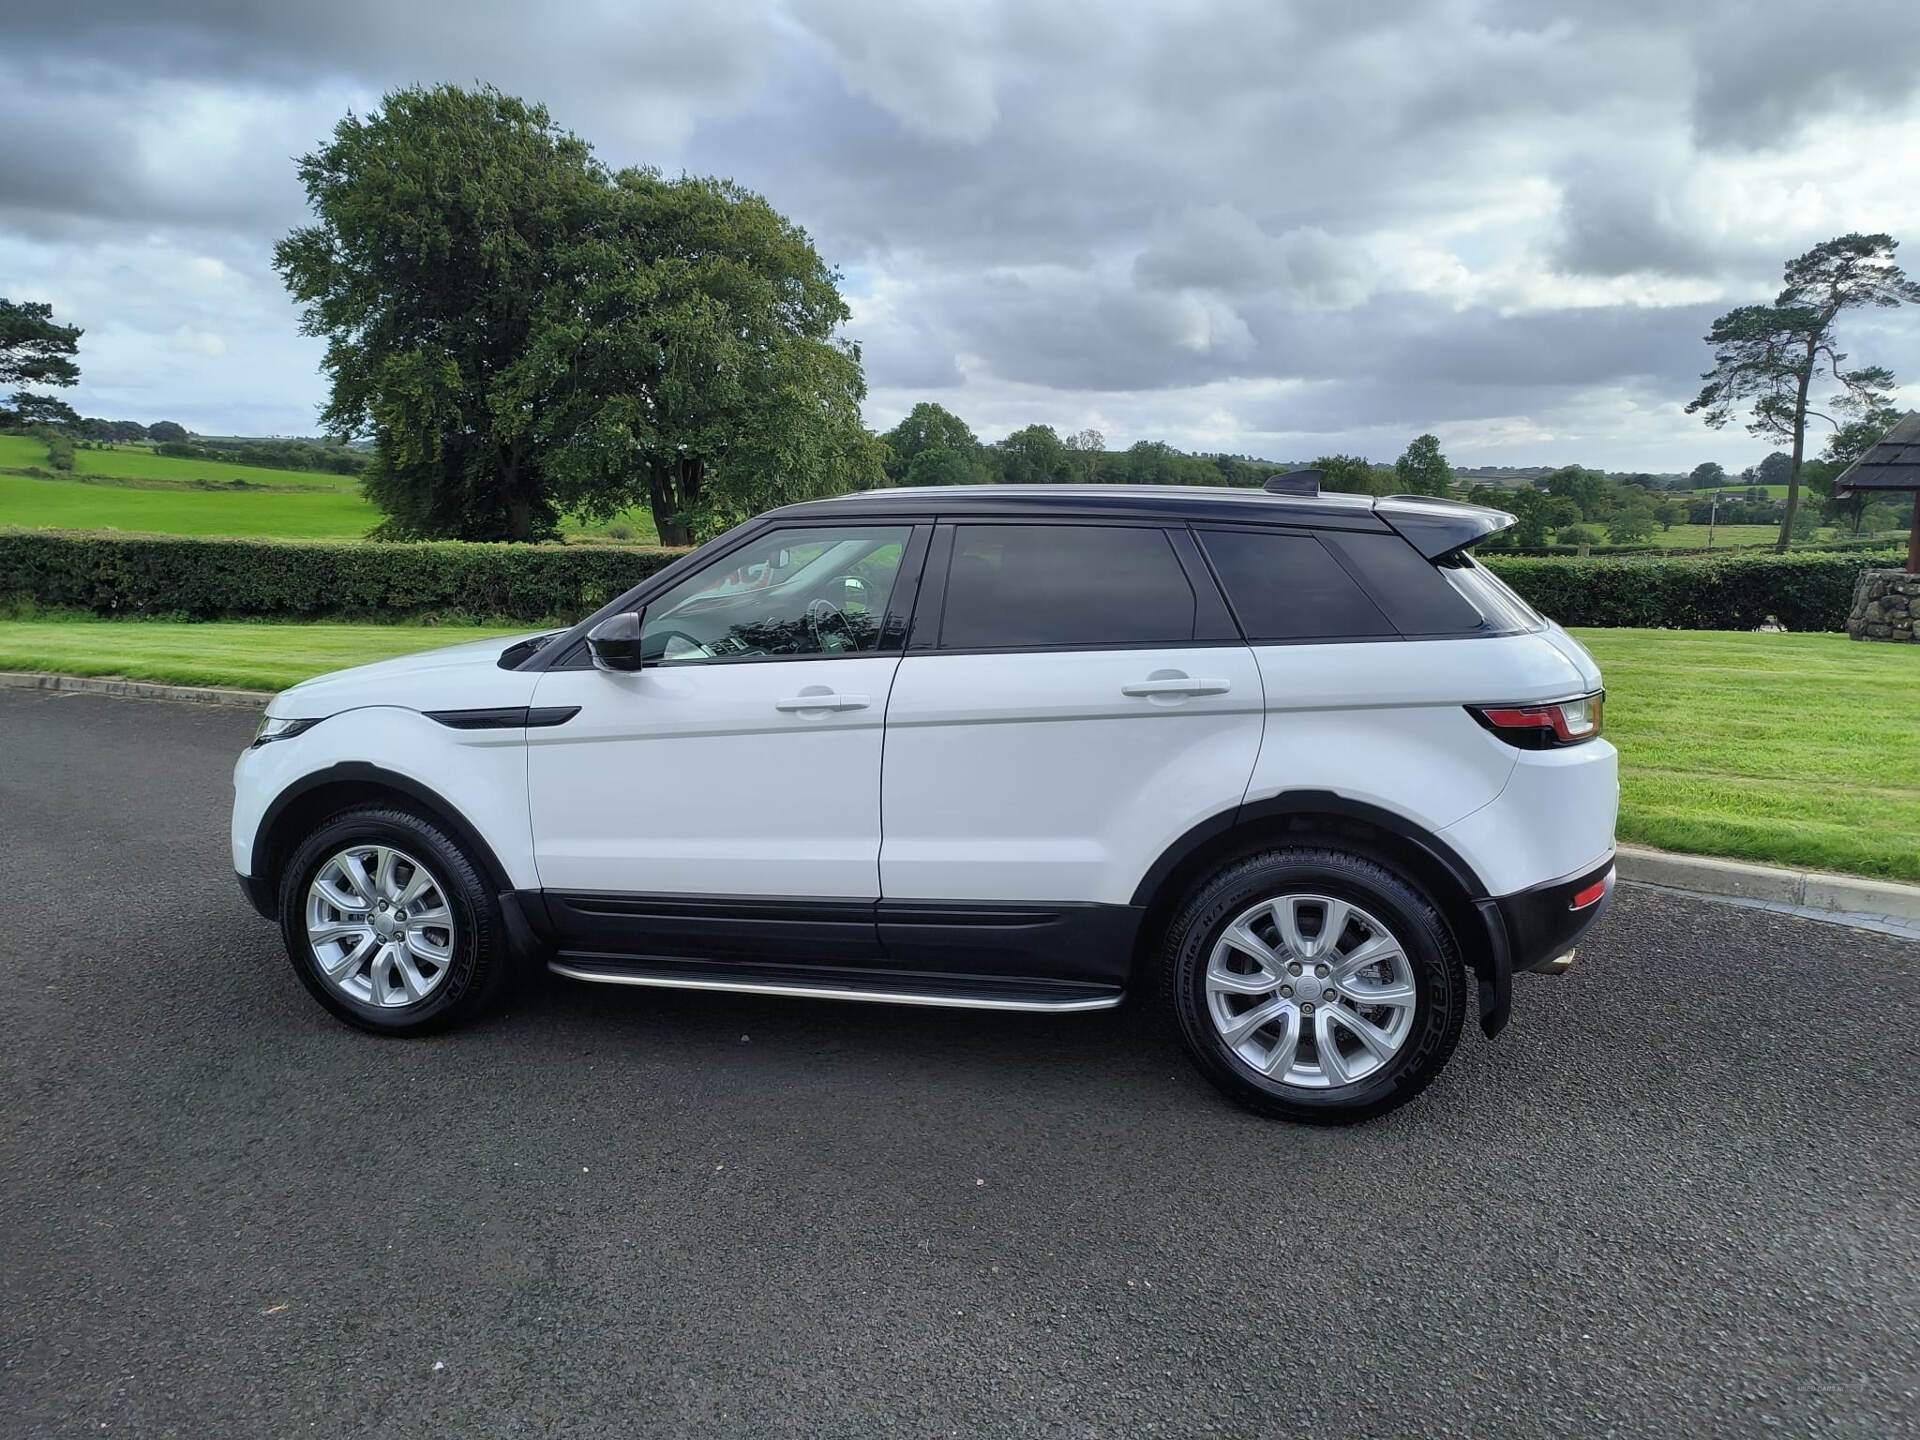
1886, 606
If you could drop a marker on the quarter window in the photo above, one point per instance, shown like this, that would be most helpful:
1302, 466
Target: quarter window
1287, 587
818, 591
1030, 586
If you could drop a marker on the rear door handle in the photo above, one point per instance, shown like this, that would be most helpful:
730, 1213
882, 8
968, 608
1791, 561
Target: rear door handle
1181, 685
825, 700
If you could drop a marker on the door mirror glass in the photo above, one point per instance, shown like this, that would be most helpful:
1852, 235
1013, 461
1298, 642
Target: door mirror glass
853, 595
615, 642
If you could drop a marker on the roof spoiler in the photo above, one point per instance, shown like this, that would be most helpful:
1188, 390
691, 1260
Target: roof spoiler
1438, 528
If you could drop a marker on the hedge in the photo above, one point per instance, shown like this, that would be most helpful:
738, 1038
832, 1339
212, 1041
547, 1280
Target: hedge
1808, 591
237, 579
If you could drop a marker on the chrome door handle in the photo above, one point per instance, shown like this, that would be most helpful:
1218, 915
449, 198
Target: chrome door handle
1180, 686
824, 701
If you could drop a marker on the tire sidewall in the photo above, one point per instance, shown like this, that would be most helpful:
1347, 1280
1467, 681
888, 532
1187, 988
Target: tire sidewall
1439, 984
457, 879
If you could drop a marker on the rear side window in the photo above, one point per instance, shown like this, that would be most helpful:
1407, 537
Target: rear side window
1491, 596
1039, 585
1410, 589
1287, 587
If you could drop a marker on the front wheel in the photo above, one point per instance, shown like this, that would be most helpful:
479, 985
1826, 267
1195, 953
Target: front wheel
1314, 985
389, 925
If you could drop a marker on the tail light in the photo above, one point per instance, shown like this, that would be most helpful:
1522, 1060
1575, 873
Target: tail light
1543, 727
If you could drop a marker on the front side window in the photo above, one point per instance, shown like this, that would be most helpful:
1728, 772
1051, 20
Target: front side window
1031, 586
818, 591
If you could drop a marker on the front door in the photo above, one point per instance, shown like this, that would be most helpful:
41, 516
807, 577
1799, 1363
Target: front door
743, 766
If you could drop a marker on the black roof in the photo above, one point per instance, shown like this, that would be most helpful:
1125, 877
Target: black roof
1434, 527
1892, 464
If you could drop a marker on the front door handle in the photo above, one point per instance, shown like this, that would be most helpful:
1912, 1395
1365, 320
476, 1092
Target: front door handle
1176, 685
823, 700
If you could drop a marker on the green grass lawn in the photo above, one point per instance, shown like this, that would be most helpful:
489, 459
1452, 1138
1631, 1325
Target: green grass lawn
137, 492
20, 452
331, 514
1786, 749
264, 656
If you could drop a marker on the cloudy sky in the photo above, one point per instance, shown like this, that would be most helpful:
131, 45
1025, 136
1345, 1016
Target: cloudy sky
1272, 228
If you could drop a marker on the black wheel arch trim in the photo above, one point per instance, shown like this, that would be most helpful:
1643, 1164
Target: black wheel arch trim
359, 772
1488, 950
1307, 802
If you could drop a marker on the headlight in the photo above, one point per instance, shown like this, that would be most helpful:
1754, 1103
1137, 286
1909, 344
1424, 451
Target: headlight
278, 727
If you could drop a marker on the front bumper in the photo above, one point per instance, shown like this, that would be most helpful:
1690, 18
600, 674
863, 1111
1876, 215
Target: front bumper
1542, 924
259, 895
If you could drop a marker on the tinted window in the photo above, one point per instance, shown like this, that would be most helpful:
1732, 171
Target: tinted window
1287, 587
1491, 597
790, 592
1409, 588
1031, 585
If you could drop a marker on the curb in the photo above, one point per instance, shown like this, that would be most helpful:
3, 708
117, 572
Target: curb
135, 689
1798, 890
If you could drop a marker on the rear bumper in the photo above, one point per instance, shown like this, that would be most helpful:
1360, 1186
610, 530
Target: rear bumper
1541, 923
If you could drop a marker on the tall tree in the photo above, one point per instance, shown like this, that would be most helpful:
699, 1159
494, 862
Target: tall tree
36, 351
931, 427
1422, 469
1088, 446
1707, 475
1353, 474
1586, 488
524, 333
1034, 456
1767, 358
33, 349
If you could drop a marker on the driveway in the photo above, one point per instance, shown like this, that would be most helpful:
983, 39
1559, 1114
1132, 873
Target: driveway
1677, 1197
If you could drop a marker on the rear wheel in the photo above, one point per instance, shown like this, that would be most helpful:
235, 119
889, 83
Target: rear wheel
389, 924
1315, 985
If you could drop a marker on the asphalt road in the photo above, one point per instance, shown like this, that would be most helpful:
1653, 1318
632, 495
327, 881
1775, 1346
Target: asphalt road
1678, 1197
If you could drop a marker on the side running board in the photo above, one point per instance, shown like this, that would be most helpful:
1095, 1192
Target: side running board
957, 992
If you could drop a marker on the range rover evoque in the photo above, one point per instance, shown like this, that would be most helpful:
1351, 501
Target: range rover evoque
1291, 766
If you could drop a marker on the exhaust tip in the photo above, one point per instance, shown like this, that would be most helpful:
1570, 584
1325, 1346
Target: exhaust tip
1559, 965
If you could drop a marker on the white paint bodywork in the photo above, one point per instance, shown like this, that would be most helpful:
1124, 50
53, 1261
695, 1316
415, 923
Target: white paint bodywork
1029, 777
691, 779
1035, 777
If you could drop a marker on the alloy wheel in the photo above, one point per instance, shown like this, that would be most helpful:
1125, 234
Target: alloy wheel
1310, 991
380, 926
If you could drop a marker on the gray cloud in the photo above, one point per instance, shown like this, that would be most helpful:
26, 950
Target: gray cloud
1230, 219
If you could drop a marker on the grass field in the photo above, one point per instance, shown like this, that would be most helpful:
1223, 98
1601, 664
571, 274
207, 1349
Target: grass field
137, 492
1787, 749
335, 514
260, 656
19, 452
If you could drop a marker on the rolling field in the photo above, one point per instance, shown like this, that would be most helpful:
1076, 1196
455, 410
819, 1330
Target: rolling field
21, 452
329, 514
137, 492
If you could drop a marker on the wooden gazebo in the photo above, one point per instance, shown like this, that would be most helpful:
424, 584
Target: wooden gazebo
1893, 464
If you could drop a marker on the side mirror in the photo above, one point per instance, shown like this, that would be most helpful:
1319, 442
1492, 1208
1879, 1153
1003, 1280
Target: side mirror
615, 641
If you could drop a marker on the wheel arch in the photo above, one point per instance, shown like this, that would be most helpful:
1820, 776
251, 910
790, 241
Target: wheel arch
308, 800
1305, 817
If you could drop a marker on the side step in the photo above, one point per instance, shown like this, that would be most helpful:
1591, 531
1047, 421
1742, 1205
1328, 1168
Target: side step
957, 992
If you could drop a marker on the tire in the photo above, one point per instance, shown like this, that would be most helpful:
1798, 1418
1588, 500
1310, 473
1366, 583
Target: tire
415, 980
1411, 995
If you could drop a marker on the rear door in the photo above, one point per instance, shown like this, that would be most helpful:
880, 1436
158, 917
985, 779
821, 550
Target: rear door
1073, 699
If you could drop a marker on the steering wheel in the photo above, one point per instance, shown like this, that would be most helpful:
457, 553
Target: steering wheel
823, 613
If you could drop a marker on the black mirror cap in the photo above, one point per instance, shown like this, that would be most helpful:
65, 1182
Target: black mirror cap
615, 642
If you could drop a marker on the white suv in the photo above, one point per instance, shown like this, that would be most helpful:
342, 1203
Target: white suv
1293, 763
